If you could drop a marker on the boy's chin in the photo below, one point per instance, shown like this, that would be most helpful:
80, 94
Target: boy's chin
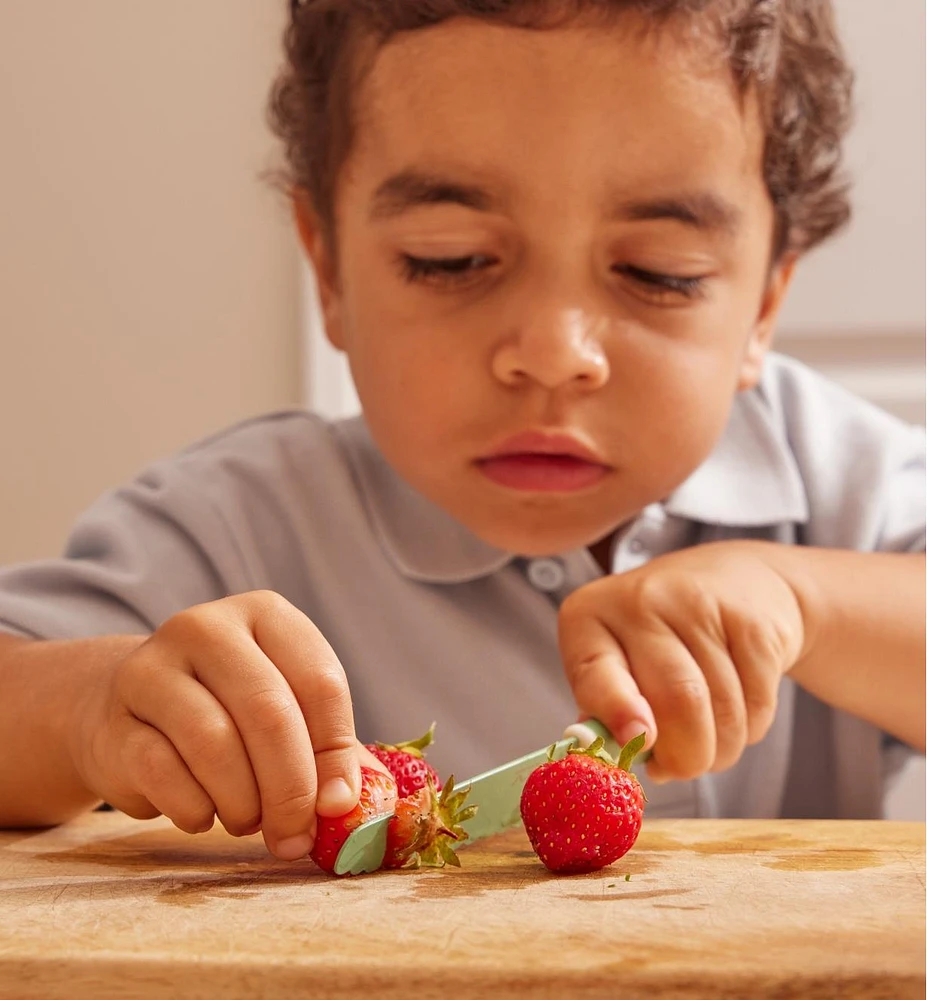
536, 542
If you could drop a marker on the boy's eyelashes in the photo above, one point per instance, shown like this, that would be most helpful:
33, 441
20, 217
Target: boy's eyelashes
459, 272
688, 286
445, 271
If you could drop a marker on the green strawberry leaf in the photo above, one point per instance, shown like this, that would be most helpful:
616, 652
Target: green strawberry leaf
413, 747
630, 750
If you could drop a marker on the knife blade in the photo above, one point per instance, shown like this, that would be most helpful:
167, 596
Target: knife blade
496, 793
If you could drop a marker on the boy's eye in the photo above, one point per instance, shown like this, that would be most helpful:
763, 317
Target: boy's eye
663, 286
444, 270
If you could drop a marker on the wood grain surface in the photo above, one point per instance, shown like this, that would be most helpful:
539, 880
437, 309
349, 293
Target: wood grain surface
110, 907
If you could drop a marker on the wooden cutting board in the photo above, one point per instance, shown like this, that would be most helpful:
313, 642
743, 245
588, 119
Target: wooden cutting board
112, 907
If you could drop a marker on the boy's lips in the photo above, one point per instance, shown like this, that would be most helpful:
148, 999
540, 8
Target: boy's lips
538, 461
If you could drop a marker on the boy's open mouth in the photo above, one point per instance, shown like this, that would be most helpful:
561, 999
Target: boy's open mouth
543, 462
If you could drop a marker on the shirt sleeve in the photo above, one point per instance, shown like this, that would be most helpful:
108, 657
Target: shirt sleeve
864, 472
139, 555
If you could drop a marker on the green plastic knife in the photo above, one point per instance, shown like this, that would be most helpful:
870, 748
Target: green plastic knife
496, 793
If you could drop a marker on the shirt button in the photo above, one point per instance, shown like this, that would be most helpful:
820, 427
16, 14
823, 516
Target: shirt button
636, 546
546, 574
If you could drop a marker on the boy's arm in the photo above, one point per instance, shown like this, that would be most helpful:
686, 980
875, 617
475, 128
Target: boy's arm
864, 633
43, 685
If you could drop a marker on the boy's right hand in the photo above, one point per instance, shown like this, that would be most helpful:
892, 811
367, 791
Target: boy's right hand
238, 709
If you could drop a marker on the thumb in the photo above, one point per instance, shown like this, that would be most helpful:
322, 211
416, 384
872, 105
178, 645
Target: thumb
367, 759
600, 675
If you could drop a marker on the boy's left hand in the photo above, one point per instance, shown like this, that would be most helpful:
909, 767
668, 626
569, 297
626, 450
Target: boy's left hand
691, 646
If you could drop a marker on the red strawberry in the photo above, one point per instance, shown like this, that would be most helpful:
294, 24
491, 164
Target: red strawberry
425, 827
407, 764
378, 796
583, 812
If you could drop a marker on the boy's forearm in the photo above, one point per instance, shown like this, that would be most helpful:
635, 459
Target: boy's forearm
864, 644
44, 685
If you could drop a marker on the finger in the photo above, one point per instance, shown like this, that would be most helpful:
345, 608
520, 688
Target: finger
317, 679
760, 672
205, 736
678, 693
157, 774
268, 717
599, 674
725, 688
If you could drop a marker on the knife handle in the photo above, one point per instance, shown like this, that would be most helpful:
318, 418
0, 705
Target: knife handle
585, 733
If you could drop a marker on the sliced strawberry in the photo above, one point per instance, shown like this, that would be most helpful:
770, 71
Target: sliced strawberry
378, 796
426, 827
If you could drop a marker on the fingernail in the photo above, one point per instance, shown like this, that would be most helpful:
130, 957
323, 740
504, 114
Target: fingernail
631, 730
335, 797
294, 848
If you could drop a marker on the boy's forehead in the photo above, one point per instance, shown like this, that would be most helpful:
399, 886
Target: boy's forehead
506, 100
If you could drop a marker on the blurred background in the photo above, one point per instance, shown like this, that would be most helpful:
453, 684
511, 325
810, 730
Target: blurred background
151, 291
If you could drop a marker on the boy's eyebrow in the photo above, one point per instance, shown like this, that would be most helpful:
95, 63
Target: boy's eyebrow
701, 210
412, 189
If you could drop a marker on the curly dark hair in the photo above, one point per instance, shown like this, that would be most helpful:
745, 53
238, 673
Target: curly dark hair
788, 50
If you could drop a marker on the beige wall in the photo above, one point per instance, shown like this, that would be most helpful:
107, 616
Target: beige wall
148, 276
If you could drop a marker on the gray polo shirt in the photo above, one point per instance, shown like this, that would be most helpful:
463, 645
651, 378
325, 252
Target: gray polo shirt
433, 624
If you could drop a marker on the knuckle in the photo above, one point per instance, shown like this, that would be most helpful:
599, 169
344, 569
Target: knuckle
651, 588
153, 763
574, 607
194, 820
329, 684
241, 827
138, 671
769, 643
210, 741
137, 808
292, 805
584, 671
267, 603
730, 716
271, 710
684, 696
194, 626
701, 603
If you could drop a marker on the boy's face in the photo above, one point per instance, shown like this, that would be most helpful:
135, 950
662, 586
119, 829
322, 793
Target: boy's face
549, 241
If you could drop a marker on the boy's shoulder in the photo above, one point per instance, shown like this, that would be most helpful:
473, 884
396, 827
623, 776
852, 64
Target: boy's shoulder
279, 459
264, 437
810, 405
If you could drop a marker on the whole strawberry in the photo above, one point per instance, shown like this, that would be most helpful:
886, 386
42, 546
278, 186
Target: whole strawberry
583, 812
407, 764
378, 796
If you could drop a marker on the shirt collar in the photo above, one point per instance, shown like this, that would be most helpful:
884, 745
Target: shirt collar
751, 479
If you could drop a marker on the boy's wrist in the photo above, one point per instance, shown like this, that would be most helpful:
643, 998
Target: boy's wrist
799, 567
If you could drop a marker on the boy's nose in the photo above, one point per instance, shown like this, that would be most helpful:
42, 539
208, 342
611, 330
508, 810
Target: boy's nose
556, 350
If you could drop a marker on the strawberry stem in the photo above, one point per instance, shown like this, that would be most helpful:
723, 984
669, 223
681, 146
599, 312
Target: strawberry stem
413, 747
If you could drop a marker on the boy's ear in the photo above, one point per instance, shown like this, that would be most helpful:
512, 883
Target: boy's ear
317, 249
761, 335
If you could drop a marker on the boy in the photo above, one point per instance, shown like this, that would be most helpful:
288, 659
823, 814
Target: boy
553, 240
